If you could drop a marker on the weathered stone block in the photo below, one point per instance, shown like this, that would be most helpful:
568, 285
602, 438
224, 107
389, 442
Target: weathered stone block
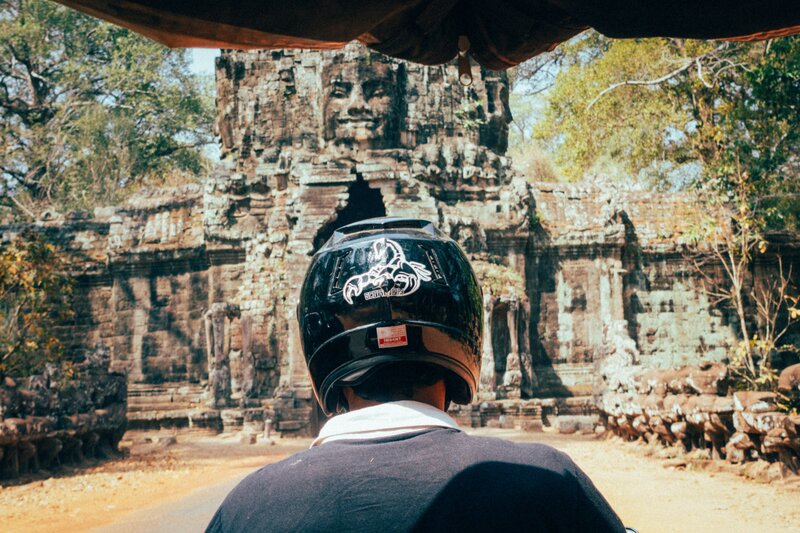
576, 423
533, 426
754, 402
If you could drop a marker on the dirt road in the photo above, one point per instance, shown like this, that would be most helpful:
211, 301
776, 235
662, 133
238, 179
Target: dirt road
655, 499
177, 487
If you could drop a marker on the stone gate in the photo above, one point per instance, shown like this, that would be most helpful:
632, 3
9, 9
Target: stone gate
194, 289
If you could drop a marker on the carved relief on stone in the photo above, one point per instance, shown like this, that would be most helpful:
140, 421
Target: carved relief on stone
218, 348
249, 387
512, 378
506, 369
530, 382
488, 380
362, 103
301, 113
468, 234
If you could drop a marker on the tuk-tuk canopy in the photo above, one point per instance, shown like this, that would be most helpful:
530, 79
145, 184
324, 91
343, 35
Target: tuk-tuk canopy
501, 33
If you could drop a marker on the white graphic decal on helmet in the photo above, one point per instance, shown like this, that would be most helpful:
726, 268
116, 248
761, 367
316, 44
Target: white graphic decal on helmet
394, 275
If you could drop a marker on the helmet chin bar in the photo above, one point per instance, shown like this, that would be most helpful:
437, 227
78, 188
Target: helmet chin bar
355, 353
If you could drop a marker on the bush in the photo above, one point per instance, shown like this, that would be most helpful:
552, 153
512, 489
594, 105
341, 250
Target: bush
35, 295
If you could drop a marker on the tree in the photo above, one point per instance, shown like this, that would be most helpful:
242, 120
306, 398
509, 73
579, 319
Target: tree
733, 236
528, 80
672, 111
34, 298
90, 111
620, 134
720, 118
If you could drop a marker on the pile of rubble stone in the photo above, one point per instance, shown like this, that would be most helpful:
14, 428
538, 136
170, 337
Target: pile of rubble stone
63, 415
694, 407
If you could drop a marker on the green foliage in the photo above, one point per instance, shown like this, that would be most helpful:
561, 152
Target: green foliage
498, 279
90, 111
720, 118
750, 365
34, 297
470, 115
621, 133
528, 158
667, 111
733, 232
762, 376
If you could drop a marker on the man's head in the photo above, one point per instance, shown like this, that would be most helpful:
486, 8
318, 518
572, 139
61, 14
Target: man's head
391, 310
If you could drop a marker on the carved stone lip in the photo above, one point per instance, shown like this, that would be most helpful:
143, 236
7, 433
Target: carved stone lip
357, 120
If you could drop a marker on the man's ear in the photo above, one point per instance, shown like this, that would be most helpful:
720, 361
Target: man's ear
344, 399
354, 401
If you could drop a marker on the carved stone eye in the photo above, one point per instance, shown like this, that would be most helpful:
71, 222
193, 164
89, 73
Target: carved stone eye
375, 90
340, 89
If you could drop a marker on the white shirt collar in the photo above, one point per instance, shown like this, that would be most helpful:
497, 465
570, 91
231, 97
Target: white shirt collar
383, 420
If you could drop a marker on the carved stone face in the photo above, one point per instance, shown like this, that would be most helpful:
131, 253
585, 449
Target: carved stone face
358, 104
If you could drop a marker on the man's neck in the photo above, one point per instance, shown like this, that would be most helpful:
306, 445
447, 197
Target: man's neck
433, 395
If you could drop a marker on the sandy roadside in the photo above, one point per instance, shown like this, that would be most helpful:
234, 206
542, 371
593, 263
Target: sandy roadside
152, 474
646, 495
654, 498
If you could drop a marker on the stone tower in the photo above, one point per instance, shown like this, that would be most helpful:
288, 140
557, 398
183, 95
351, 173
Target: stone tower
315, 140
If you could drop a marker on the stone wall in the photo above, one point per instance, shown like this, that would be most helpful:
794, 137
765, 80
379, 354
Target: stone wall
141, 274
693, 407
197, 286
58, 417
611, 267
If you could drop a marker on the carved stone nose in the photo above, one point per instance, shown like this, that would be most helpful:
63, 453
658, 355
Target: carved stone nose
357, 104
359, 109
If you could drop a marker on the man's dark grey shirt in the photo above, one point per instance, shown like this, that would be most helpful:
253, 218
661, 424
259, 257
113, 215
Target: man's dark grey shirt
437, 479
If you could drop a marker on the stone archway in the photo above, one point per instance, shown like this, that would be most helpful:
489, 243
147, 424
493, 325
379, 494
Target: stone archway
362, 202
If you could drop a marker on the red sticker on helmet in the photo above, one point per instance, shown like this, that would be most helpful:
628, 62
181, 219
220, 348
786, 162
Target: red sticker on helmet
392, 336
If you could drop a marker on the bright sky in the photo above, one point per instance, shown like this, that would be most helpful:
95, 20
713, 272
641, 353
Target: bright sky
203, 60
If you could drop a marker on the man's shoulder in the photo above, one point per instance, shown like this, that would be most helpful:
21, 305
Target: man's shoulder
273, 493
295, 466
421, 478
441, 449
488, 448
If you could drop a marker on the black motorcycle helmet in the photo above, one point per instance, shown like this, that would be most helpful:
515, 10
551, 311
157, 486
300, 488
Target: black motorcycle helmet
390, 290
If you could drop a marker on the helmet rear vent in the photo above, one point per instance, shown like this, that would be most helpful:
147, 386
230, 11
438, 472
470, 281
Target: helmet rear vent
336, 279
